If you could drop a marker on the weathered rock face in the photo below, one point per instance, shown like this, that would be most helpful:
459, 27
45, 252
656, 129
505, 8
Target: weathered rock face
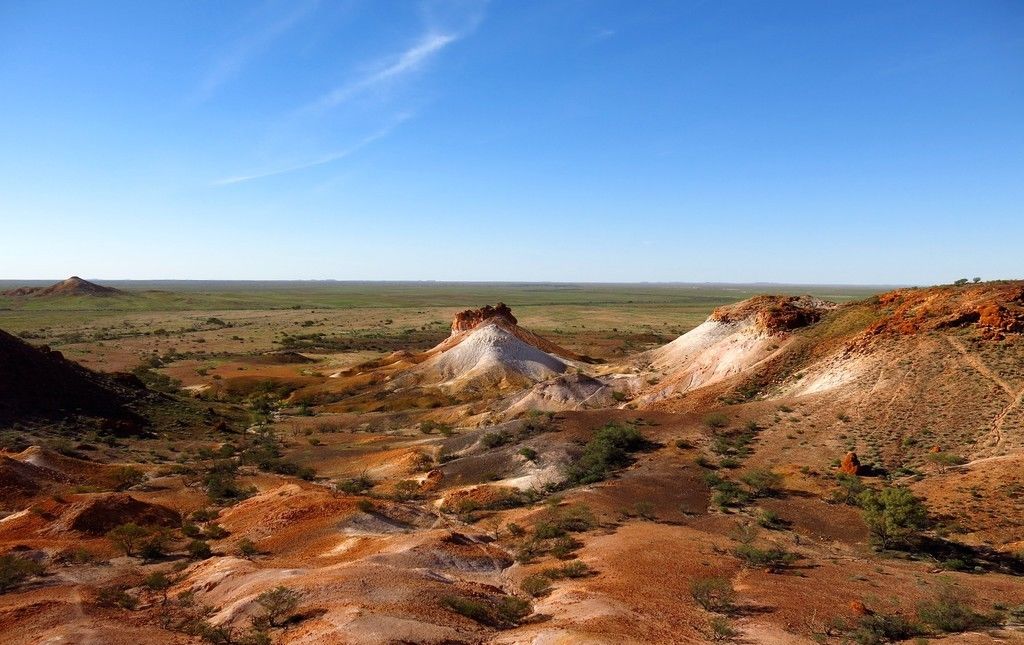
775, 314
472, 318
850, 464
995, 309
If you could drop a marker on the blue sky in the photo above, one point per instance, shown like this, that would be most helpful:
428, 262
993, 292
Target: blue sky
557, 140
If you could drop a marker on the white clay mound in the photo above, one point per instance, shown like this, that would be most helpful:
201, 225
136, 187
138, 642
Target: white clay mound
490, 350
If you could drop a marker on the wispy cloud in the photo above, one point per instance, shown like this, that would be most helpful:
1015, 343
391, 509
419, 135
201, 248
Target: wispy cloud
408, 61
321, 160
235, 58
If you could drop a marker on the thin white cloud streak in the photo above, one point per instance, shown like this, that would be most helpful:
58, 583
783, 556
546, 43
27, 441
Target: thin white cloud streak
320, 161
247, 47
412, 59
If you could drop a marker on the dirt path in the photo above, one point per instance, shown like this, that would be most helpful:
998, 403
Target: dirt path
995, 439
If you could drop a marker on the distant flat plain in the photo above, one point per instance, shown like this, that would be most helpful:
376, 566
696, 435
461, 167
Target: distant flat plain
377, 317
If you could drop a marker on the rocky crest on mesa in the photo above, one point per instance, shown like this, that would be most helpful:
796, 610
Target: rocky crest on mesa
473, 318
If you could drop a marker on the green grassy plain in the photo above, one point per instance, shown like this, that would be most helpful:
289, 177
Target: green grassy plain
597, 319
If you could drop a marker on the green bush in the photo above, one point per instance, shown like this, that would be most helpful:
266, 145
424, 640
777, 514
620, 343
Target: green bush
716, 420
128, 537
199, 550
849, 489
762, 482
878, 628
508, 611
773, 559
894, 516
574, 569
607, 450
714, 594
125, 477
355, 485
536, 585
948, 611
278, 604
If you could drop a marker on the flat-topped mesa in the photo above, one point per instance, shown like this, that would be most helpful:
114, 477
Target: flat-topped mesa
775, 314
473, 318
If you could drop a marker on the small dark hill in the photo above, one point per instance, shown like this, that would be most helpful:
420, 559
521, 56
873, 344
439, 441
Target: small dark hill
40, 384
73, 286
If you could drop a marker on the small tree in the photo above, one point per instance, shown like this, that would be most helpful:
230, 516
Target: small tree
894, 516
279, 604
125, 477
714, 594
128, 537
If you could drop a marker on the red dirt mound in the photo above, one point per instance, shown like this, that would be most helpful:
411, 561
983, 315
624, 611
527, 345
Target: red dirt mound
994, 308
73, 286
97, 514
38, 382
775, 313
20, 479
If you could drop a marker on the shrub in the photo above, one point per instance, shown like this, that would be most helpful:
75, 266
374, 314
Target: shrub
355, 485
849, 491
762, 482
720, 629
945, 460
495, 439
770, 519
894, 516
159, 582
607, 450
574, 569
278, 604
124, 477
366, 506
714, 594
728, 493
536, 585
528, 453
199, 550
506, 612
564, 547
247, 548
472, 609
154, 545
948, 611
215, 532
127, 537
773, 559
15, 570
115, 596
878, 628
511, 609
716, 420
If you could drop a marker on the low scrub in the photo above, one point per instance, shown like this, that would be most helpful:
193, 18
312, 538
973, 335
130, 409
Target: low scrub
714, 594
773, 559
502, 613
14, 570
608, 450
